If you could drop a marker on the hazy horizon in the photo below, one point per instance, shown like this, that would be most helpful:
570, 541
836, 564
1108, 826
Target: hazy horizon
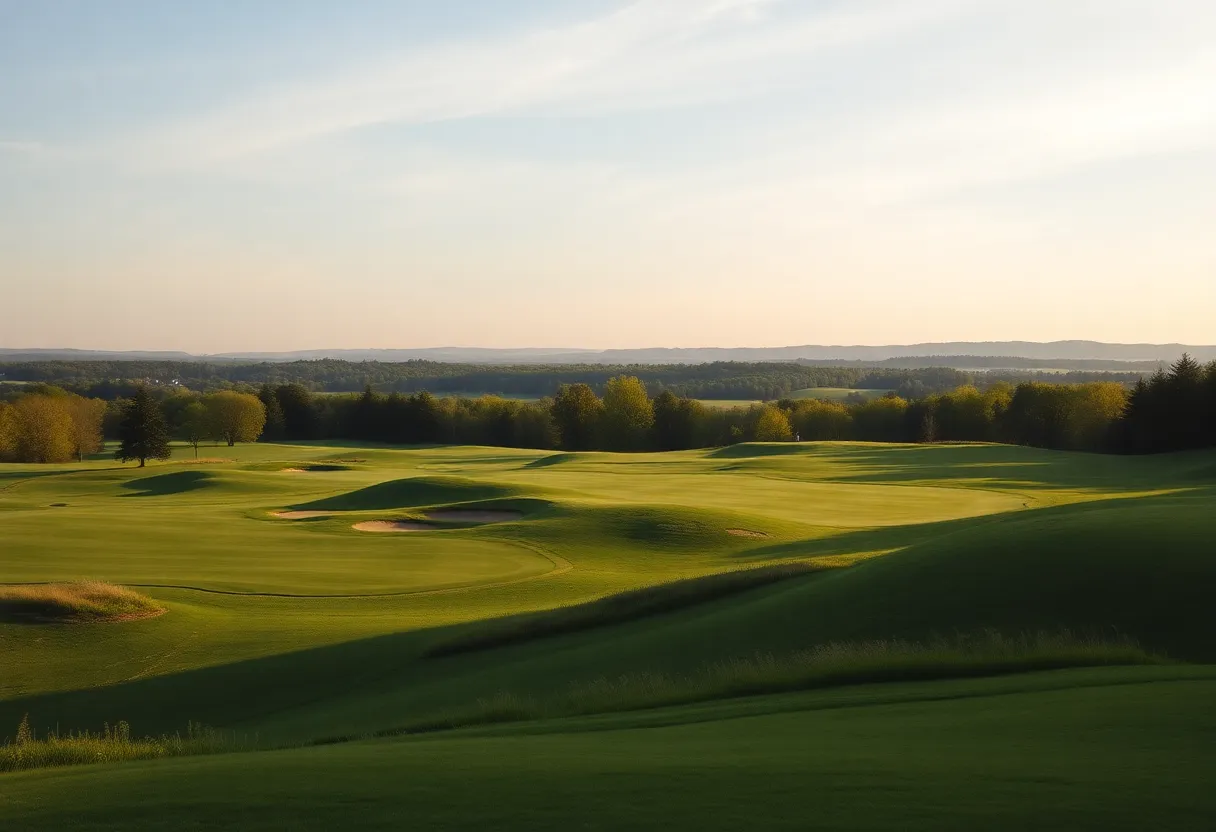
667, 173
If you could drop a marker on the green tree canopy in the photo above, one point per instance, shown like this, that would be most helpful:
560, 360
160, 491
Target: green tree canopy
142, 435
196, 425
235, 417
773, 425
276, 424
628, 414
577, 411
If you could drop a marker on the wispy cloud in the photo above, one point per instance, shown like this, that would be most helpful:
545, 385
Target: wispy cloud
650, 53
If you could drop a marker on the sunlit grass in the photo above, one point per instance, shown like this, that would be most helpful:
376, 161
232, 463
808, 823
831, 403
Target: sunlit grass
84, 601
112, 744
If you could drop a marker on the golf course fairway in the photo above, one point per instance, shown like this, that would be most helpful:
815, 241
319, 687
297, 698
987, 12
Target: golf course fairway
788, 635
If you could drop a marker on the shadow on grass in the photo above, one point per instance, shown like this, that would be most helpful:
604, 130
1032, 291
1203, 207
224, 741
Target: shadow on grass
163, 485
615, 609
409, 492
1014, 467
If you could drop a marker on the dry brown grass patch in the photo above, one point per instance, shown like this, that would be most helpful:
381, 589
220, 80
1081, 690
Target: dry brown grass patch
745, 533
78, 601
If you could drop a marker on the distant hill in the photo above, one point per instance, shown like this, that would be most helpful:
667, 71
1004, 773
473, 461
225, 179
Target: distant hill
945, 353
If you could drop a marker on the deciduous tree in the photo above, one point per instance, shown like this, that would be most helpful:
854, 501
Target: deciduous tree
773, 425
628, 414
576, 411
235, 417
8, 432
86, 416
276, 426
196, 425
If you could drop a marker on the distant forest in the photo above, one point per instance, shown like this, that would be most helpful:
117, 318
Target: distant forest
766, 381
1170, 411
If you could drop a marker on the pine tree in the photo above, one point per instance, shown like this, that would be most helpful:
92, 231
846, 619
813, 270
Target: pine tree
143, 434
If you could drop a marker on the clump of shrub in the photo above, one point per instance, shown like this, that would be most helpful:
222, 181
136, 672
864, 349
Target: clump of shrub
78, 601
113, 743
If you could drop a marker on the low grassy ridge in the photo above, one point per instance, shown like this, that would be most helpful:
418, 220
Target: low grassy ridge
828, 665
111, 744
615, 609
831, 665
80, 601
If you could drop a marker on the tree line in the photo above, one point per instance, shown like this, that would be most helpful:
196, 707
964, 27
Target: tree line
1172, 410
47, 424
718, 380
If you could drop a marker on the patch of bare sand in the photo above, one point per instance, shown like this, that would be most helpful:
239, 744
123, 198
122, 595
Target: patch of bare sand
457, 515
298, 515
392, 526
745, 533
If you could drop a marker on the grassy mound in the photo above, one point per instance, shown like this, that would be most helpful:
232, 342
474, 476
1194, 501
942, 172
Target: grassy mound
409, 492
565, 458
84, 601
828, 665
615, 609
745, 450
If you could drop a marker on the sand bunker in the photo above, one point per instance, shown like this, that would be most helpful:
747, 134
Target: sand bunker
392, 526
298, 515
456, 515
745, 533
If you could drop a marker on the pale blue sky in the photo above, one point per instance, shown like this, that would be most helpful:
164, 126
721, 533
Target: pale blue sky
278, 175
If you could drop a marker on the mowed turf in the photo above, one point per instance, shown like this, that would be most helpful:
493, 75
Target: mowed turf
1074, 750
294, 630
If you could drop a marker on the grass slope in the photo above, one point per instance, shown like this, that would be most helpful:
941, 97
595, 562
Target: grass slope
1111, 749
298, 629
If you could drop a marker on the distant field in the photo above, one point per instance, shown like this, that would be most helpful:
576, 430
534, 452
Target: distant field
464, 394
727, 403
298, 628
830, 393
836, 393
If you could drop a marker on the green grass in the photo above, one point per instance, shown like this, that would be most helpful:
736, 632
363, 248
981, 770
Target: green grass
622, 568
112, 744
727, 404
1112, 749
826, 665
616, 609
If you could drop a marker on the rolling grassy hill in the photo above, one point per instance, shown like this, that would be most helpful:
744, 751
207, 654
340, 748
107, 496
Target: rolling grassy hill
302, 630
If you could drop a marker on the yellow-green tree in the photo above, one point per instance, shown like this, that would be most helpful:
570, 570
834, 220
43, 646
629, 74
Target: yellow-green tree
86, 416
8, 432
1093, 410
235, 417
196, 425
773, 425
576, 412
817, 419
44, 429
628, 414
